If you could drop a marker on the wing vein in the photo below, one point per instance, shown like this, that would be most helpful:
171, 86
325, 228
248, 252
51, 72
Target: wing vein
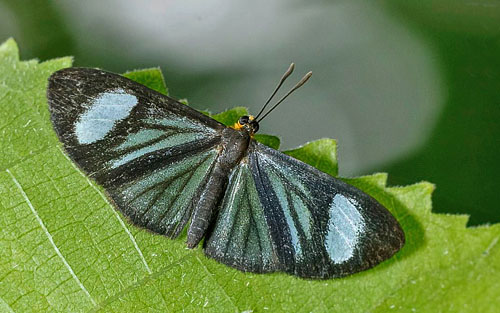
197, 193
224, 292
155, 199
266, 195
295, 218
171, 203
149, 125
154, 160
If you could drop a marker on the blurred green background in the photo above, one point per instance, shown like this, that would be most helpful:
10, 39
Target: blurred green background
411, 88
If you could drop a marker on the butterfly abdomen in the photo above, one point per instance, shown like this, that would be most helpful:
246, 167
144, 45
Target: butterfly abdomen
233, 148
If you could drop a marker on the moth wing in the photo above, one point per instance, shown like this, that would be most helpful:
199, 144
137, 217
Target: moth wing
241, 237
280, 214
151, 153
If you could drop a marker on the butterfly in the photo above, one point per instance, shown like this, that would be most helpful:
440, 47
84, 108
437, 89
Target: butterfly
166, 167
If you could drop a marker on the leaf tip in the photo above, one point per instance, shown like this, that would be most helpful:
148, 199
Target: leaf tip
9, 48
151, 77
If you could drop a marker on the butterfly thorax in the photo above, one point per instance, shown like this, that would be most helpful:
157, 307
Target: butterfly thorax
234, 146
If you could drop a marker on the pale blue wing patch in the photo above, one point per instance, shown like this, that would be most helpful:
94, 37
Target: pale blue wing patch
182, 122
140, 137
102, 114
345, 226
171, 140
160, 134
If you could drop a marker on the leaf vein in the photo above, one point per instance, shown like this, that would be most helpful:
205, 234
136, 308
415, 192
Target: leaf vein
120, 220
224, 292
49, 236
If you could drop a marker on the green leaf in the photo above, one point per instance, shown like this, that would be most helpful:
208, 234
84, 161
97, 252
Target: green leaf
64, 248
151, 77
269, 140
231, 116
319, 153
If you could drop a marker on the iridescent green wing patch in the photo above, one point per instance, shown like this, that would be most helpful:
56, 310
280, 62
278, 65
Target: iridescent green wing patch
241, 237
163, 201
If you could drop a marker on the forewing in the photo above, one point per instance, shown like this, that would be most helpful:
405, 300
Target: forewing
151, 153
316, 226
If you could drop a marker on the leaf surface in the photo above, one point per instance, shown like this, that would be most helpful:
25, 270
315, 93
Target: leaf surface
151, 77
65, 249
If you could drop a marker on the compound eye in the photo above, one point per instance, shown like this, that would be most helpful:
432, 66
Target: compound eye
244, 120
255, 126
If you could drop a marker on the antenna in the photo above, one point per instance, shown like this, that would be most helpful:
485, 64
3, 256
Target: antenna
282, 80
300, 83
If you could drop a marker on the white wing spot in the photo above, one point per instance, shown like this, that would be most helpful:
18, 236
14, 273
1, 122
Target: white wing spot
104, 111
345, 226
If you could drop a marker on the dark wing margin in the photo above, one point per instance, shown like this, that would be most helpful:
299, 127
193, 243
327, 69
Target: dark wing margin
313, 225
151, 153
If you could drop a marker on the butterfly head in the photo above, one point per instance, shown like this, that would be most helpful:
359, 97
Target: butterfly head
251, 123
248, 123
